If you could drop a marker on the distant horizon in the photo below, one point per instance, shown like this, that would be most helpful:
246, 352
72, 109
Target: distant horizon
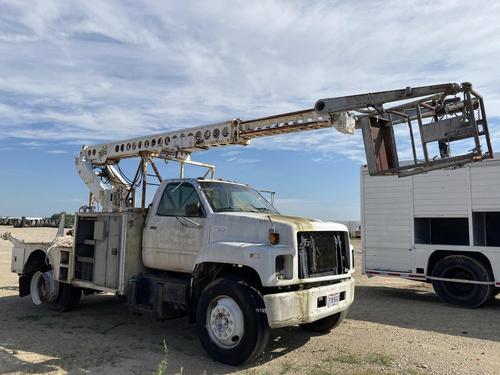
72, 213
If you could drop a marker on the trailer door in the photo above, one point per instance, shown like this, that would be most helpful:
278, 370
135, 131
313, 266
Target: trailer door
387, 222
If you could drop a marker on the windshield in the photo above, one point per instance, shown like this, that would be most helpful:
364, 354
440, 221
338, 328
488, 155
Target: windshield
224, 197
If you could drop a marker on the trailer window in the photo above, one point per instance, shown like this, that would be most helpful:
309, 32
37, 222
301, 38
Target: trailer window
442, 230
486, 226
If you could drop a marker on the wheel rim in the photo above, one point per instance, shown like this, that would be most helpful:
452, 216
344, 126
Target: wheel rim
225, 322
38, 288
44, 288
460, 289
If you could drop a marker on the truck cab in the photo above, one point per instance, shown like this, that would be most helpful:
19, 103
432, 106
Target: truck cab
227, 233
192, 222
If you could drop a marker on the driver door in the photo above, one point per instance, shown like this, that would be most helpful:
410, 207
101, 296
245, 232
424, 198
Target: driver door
175, 231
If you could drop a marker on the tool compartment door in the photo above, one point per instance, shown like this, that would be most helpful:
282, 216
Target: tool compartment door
107, 236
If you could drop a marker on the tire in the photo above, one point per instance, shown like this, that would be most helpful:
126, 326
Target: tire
460, 294
325, 325
231, 307
69, 297
43, 288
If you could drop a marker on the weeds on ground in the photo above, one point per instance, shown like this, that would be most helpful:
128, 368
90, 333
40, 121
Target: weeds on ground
162, 366
29, 317
381, 359
317, 370
350, 358
370, 372
376, 358
286, 368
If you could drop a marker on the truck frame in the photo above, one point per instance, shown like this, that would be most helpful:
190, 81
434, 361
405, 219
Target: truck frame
219, 251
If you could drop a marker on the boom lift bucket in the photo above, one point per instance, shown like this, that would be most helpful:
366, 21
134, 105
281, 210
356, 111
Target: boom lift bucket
442, 114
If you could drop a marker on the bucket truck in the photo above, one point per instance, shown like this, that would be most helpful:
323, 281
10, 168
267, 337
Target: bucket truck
220, 252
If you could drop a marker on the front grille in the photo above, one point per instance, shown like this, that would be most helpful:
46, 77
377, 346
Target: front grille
322, 254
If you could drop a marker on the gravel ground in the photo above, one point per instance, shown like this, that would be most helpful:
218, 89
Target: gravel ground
394, 327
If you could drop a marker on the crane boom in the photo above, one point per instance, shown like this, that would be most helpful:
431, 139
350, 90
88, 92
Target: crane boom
444, 113
234, 132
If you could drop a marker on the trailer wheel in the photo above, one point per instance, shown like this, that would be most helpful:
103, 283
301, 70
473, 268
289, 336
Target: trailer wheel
231, 321
326, 324
461, 294
68, 298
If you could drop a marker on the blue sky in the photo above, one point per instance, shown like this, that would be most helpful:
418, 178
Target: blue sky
76, 72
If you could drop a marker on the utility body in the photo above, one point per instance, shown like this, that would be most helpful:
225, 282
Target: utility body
219, 251
440, 227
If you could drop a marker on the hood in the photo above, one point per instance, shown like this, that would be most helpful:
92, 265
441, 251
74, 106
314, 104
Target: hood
253, 227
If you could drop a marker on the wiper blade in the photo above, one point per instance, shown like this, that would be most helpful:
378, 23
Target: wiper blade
229, 209
263, 209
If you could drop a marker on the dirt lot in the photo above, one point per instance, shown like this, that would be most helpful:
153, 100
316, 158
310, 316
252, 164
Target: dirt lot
394, 327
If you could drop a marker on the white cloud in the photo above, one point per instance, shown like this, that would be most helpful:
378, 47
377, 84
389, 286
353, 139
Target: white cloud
240, 160
96, 71
33, 144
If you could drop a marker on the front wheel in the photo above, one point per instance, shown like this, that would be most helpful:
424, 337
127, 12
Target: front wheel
231, 321
326, 324
462, 294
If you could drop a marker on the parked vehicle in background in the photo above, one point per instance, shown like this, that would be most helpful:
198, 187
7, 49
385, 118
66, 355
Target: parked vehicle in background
357, 232
441, 227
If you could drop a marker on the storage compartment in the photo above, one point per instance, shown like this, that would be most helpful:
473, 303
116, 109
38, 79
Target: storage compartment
108, 248
84, 249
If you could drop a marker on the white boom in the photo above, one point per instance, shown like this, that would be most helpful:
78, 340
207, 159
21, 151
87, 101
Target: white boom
452, 118
179, 143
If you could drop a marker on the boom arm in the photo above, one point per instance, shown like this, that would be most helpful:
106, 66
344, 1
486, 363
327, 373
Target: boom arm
235, 132
445, 113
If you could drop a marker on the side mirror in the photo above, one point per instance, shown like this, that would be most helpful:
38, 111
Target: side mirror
194, 209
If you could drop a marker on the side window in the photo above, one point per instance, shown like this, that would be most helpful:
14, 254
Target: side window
179, 200
485, 225
442, 230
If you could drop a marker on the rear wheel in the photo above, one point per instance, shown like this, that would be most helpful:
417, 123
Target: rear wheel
326, 324
231, 321
462, 294
43, 288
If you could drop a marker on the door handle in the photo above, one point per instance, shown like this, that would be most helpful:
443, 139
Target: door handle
152, 227
194, 223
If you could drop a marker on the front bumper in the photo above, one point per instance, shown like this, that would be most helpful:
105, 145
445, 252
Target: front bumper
298, 307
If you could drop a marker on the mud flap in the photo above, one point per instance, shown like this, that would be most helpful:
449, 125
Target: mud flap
24, 285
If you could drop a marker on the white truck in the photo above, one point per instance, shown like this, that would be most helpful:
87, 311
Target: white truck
441, 227
216, 250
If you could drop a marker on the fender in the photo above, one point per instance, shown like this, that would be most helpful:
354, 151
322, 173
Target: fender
259, 257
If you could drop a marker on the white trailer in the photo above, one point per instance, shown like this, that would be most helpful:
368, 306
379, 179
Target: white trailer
441, 227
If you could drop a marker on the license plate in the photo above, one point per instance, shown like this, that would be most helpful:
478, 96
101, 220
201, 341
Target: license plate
332, 299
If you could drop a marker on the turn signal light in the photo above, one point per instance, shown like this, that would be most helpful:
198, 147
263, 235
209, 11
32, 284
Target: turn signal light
274, 238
